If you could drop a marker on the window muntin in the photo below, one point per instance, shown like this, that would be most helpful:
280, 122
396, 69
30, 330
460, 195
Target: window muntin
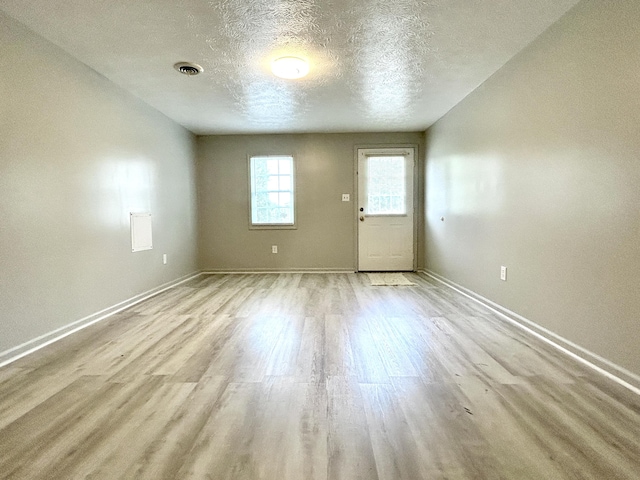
272, 194
386, 185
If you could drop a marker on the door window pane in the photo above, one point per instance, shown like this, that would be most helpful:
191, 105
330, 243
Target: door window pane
386, 185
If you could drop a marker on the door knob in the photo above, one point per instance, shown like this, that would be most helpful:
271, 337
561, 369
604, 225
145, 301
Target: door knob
362, 219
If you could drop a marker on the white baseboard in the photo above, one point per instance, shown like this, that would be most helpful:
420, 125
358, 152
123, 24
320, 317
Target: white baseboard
276, 271
594, 361
35, 344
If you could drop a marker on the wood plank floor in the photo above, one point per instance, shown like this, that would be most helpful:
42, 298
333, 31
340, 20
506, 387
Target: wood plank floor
311, 376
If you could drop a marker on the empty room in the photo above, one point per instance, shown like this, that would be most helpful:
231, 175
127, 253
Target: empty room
308, 239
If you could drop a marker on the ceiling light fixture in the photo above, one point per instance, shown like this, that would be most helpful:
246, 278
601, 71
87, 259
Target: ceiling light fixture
188, 68
290, 67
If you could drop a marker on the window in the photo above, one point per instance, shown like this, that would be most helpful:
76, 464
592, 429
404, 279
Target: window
386, 185
272, 196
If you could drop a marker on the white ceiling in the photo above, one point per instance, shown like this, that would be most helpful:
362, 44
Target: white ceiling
376, 65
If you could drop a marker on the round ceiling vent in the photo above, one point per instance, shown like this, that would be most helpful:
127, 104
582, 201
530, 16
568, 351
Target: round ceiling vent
188, 68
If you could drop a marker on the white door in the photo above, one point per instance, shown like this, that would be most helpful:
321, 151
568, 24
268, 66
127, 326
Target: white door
385, 209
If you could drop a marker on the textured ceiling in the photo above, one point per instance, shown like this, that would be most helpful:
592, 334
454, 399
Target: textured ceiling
376, 65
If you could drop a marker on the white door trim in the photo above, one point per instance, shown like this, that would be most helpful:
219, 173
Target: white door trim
417, 208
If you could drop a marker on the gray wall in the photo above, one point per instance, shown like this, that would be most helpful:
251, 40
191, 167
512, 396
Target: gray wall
324, 166
76, 155
539, 170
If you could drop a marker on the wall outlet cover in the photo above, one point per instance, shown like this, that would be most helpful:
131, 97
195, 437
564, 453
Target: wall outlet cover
503, 273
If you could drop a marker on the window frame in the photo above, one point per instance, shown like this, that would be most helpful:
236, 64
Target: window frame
272, 226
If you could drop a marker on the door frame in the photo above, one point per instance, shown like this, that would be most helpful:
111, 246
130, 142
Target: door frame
356, 196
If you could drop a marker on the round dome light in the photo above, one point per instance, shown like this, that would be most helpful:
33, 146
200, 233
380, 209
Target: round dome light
290, 67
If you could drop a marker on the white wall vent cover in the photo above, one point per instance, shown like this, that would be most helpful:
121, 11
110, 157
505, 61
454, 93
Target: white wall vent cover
141, 232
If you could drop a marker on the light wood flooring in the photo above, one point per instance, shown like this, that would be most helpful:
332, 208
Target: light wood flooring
311, 376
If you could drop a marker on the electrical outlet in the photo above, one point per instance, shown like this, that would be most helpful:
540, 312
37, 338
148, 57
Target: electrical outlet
345, 197
164, 258
503, 273
274, 248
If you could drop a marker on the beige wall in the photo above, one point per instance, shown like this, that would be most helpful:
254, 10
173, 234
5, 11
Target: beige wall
325, 234
539, 170
76, 155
